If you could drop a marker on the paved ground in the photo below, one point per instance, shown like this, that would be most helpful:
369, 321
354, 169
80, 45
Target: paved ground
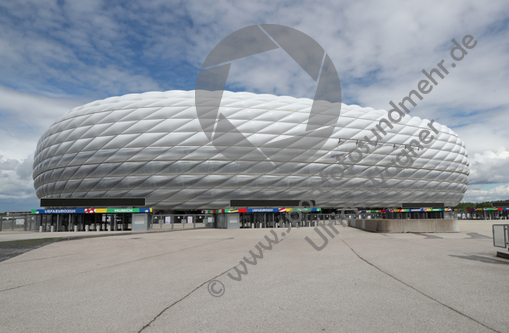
359, 282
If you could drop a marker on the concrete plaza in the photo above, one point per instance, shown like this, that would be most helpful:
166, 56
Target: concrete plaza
359, 282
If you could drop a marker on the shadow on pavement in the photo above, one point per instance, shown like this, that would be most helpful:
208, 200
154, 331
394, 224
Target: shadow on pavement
15, 248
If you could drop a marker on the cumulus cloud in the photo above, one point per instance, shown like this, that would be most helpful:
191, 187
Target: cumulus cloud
16, 185
25, 168
490, 167
478, 195
8, 164
16, 178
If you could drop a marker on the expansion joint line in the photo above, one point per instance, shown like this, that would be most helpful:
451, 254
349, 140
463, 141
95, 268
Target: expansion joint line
171, 305
420, 292
192, 291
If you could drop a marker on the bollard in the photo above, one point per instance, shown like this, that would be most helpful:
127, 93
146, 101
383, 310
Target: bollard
252, 225
52, 228
98, 227
109, 227
75, 228
87, 228
276, 225
40, 228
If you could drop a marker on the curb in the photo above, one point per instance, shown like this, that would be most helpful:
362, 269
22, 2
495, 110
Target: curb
113, 233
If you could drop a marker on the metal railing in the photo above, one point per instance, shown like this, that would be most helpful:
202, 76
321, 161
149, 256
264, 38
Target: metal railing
17, 223
182, 221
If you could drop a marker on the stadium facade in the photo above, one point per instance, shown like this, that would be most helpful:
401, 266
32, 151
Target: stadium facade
151, 146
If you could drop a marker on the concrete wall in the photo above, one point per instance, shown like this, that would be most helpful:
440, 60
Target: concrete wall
140, 222
228, 221
395, 225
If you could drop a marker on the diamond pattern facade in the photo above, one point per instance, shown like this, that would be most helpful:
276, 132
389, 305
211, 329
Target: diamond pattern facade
152, 145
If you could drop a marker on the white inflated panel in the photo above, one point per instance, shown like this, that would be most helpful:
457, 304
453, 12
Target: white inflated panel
151, 145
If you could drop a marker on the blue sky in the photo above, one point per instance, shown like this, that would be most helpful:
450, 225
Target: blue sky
55, 55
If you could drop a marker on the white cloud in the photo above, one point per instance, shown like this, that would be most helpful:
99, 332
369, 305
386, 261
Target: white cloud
16, 179
496, 194
489, 167
84, 48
